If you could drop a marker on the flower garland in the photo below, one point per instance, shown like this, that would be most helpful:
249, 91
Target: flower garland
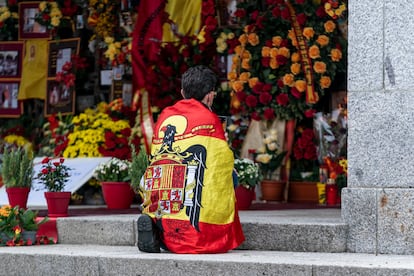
267, 73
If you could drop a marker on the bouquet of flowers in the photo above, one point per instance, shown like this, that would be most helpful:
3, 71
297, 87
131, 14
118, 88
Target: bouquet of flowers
115, 170
248, 172
270, 157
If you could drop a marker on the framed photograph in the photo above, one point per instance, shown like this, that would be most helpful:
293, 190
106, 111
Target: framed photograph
59, 99
10, 106
28, 27
60, 52
11, 56
122, 89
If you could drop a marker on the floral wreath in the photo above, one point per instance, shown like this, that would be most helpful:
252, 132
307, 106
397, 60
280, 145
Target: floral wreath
287, 56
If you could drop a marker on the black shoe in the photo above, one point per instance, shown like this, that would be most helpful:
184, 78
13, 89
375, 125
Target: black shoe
148, 239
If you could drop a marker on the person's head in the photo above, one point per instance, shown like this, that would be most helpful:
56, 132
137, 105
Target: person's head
197, 82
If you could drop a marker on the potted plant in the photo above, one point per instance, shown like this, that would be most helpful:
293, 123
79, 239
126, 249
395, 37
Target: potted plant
18, 226
248, 176
139, 163
53, 175
17, 174
270, 158
115, 182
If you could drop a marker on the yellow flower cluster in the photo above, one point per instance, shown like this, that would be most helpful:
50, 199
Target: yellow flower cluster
334, 10
89, 132
6, 14
221, 41
54, 12
103, 17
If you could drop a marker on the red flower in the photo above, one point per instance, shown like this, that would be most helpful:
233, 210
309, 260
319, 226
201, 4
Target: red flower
309, 113
282, 99
251, 101
265, 98
269, 114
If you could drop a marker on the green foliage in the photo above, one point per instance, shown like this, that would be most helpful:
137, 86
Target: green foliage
28, 220
17, 167
139, 163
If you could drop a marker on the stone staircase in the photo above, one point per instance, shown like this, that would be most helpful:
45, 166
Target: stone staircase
289, 242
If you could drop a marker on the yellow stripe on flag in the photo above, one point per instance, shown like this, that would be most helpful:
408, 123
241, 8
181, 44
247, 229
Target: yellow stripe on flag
34, 73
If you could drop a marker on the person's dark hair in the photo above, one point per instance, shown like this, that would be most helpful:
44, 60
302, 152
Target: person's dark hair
198, 81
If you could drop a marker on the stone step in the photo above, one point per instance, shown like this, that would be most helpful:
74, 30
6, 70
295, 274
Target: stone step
63, 259
313, 230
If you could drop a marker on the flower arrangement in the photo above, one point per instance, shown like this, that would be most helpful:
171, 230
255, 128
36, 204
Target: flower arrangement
270, 156
335, 9
118, 52
248, 172
95, 134
9, 22
49, 15
304, 156
17, 167
53, 174
103, 17
55, 135
66, 78
270, 75
114, 170
236, 130
14, 221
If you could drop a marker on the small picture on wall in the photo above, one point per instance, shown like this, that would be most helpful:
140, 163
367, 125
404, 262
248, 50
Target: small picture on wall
10, 106
28, 27
11, 54
59, 98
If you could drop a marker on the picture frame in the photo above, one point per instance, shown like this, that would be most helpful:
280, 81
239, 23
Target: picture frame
11, 60
59, 99
60, 52
28, 27
10, 106
122, 89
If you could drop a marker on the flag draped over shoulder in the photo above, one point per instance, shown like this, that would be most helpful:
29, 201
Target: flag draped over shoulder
189, 185
33, 83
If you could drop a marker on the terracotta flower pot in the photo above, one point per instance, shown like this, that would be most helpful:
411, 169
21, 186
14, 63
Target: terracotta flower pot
303, 191
57, 203
117, 195
272, 190
18, 196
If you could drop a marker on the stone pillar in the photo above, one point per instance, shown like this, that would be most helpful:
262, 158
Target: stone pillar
378, 204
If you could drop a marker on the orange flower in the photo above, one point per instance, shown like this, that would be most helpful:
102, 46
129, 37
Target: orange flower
231, 76
245, 64
284, 52
329, 26
243, 39
314, 52
295, 57
253, 82
273, 52
295, 68
308, 32
325, 82
237, 86
319, 67
273, 63
265, 51
253, 39
244, 76
336, 55
323, 40
289, 80
246, 55
300, 85
276, 41
238, 50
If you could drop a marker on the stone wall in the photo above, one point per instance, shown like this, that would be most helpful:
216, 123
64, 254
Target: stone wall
378, 204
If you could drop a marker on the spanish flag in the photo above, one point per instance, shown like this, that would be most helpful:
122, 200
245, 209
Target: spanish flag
188, 186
